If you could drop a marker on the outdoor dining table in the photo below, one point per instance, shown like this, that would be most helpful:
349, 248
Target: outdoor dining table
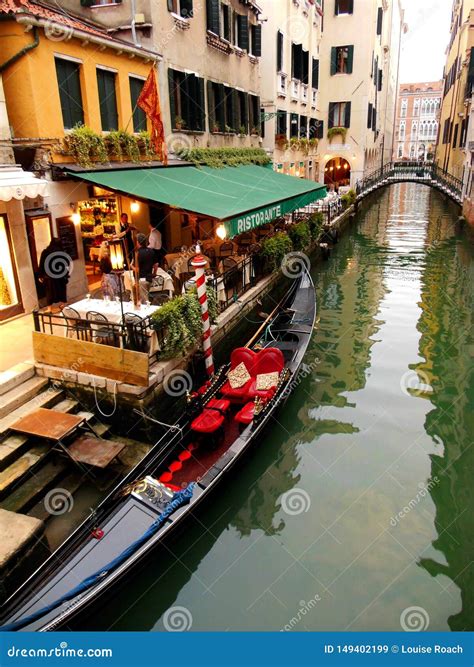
178, 262
112, 310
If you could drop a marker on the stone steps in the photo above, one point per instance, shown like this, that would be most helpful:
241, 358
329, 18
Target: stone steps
43, 400
19, 469
35, 487
14, 376
70, 483
21, 394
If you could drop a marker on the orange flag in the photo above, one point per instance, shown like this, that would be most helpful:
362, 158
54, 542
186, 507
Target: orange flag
149, 101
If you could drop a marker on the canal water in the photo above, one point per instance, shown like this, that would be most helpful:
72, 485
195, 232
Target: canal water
355, 511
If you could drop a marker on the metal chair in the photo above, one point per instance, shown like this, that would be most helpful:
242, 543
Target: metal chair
136, 333
75, 324
102, 330
158, 298
157, 284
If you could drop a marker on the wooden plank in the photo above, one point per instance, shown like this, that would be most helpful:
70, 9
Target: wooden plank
49, 424
105, 361
94, 452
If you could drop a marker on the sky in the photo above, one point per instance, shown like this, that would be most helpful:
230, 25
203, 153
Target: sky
424, 45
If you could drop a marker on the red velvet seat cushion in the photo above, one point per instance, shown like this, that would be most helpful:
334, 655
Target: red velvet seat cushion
208, 422
265, 394
244, 355
240, 393
219, 404
269, 360
245, 416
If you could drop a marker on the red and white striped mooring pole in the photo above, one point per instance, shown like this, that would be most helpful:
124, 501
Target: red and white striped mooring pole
199, 262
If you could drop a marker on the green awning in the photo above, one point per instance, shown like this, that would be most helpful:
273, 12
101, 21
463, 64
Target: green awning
241, 197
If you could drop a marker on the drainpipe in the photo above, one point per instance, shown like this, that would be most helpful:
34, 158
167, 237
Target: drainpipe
22, 51
134, 30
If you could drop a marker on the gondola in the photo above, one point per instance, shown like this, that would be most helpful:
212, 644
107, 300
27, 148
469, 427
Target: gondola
220, 424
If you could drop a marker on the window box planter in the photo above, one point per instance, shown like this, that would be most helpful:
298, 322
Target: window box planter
337, 132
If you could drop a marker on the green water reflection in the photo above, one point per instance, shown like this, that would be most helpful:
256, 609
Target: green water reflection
375, 445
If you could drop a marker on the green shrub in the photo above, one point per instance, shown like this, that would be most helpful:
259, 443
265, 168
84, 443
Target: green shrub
316, 222
181, 321
300, 235
348, 199
275, 248
85, 145
221, 157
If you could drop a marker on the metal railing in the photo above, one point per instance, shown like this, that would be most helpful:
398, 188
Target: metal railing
128, 335
423, 172
236, 280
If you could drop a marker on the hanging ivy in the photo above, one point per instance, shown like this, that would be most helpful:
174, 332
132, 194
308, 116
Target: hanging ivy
85, 146
222, 157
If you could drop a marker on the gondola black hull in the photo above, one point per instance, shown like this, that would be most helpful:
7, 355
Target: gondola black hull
125, 515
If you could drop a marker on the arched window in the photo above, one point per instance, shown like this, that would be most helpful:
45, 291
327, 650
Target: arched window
403, 110
412, 152
400, 150
414, 130
402, 130
416, 108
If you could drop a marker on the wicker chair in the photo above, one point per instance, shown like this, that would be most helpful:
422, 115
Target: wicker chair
102, 330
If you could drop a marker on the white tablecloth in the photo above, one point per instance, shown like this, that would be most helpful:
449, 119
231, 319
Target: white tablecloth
178, 262
168, 285
113, 312
246, 275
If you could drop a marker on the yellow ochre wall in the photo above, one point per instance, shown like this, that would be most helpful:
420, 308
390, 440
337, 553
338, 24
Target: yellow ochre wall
31, 89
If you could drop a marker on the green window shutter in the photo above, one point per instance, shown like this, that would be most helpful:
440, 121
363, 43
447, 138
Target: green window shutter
380, 80
257, 41
379, 20
107, 100
211, 106
243, 30
331, 111
68, 75
247, 112
170, 4
350, 59
320, 129
213, 23
139, 116
305, 67
347, 115
369, 116
315, 76
280, 51
220, 106
171, 85
235, 124
201, 104
336, 7
333, 60
186, 8
351, 6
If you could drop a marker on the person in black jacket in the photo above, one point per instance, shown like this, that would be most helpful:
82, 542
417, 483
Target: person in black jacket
53, 272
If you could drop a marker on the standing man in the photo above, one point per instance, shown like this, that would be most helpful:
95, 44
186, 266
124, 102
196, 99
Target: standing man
126, 235
155, 243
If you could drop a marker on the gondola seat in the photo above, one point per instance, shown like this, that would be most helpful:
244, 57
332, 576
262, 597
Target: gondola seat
221, 404
245, 415
238, 356
269, 360
209, 421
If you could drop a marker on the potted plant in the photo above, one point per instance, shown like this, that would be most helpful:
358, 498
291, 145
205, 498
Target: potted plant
229, 130
313, 142
281, 141
294, 143
337, 131
255, 131
304, 145
242, 131
215, 127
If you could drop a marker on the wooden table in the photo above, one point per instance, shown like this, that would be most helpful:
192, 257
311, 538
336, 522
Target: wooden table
48, 424
94, 451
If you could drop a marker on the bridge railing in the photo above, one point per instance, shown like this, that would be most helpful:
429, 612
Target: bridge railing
414, 171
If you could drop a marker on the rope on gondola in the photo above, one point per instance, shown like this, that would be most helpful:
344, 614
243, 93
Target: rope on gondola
180, 498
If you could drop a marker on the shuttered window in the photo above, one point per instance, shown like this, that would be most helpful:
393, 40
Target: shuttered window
139, 116
107, 100
187, 104
343, 7
380, 80
279, 51
256, 45
342, 59
281, 123
315, 74
226, 22
303, 126
369, 116
339, 114
254, 111
379, 20
242, 32
316, 128
216, 106
212, 11
374, 119
68, 74
299, 63
294, 125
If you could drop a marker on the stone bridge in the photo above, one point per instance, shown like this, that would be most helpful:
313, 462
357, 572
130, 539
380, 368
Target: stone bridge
426, 173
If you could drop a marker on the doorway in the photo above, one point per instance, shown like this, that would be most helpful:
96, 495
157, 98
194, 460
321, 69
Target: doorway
337, 173
10, 300
40, 232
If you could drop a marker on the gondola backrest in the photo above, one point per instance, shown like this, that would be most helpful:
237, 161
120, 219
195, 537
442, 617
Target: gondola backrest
245, 355
269, 360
